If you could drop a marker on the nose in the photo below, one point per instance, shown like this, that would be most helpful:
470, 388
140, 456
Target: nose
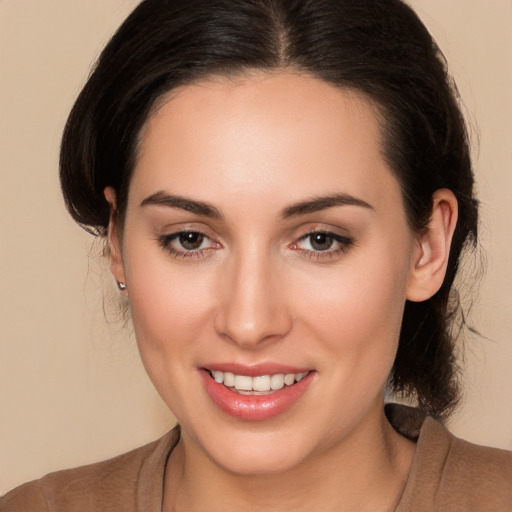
253, 304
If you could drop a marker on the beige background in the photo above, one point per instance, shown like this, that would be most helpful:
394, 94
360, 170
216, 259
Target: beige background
72, 389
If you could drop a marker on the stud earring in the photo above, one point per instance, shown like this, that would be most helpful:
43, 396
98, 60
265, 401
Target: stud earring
121, 285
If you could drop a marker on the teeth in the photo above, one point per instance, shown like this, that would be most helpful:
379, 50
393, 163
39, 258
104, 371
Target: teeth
289, 379
260, 383
229, 379
243, 383
277, 381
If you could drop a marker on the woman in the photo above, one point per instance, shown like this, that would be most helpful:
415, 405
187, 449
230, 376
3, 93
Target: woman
285, 190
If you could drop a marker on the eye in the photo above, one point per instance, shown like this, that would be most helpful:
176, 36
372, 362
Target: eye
191, 240
320, 241
188, 244
322, 244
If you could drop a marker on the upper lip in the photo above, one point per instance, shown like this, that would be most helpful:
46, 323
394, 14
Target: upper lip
255, 370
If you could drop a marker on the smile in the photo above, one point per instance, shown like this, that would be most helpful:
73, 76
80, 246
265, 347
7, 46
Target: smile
271, 390
244, 384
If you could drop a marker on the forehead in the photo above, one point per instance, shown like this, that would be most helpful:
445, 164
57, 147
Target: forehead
261, 133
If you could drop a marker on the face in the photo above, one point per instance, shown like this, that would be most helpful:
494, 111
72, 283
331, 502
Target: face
265, 245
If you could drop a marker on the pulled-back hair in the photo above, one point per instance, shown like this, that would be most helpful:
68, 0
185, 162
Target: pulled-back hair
377, 47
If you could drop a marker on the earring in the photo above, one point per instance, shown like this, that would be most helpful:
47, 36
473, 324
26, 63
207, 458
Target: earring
121, 285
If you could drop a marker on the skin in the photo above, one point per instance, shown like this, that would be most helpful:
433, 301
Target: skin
259, 291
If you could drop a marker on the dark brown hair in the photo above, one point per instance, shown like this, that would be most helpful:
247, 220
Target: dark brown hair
377, 47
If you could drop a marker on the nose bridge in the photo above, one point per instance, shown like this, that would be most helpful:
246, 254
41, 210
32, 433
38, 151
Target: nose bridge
252, 308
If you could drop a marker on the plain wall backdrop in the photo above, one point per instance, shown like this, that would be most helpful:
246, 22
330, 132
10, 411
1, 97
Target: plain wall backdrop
72, 389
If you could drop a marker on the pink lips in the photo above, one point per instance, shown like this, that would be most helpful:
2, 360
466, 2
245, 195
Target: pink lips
254, 407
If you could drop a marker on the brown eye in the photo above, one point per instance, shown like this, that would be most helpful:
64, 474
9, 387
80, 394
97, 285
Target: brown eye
321, 241
192, 245
191, 240
323, 245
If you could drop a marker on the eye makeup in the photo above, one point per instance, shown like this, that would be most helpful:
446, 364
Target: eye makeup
316, 244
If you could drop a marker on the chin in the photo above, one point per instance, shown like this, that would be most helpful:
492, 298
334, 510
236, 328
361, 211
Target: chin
259, 460
256, 451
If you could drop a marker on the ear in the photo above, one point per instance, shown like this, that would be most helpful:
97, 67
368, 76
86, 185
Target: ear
114, 242
433, 248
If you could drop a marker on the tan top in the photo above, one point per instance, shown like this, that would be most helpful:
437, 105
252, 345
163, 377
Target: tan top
447, 474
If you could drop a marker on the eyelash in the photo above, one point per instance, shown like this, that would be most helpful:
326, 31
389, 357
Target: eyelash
166, 243
344, 242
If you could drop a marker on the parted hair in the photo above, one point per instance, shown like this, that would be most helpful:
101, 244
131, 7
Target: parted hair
379, 48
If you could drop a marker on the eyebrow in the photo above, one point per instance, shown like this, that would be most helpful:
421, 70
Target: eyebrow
322, 203
303, 208
189, 205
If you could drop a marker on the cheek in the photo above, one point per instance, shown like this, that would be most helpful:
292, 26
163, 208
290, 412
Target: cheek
356, 309
169, 305
169, 310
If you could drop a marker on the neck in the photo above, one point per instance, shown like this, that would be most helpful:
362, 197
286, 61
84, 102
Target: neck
366, 471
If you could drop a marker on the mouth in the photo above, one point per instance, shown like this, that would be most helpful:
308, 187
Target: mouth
260, 385
269, 391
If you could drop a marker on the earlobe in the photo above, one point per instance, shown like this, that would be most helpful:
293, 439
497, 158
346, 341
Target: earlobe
430, 258
114, 243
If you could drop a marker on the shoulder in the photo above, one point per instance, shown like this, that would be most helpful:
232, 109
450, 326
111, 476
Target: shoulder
120, 483
449, 473
483, 475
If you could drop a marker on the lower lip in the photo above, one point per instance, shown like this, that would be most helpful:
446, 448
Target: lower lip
254, 407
